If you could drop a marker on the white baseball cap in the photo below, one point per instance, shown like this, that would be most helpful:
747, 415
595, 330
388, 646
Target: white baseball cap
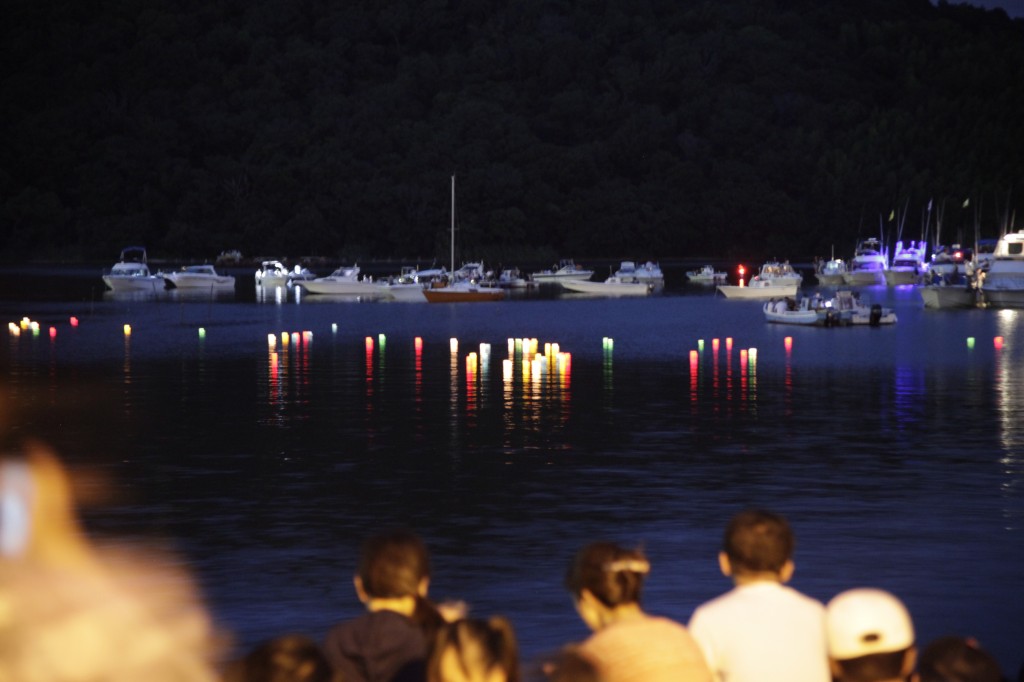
866, 621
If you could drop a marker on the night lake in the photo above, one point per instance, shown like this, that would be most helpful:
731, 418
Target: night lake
897, 453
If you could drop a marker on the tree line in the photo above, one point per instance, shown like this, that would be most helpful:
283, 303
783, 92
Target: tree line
584, 128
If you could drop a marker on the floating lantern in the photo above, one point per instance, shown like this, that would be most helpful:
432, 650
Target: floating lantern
728, 344
74, 321
743, 359
506, 369
53, 332
752, 356
700, 345
307, 337
271, 341
788, 341
511, 345
998, 342
369, 343
453, 344
970, 342
334, 327
127, 330
381, 339
202, 332
284, 338
693, 361
417, 343
715, 344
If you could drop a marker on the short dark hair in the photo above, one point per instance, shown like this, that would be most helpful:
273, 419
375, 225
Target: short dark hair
611, 573
757, 541
873, 667
393, 564
955, 659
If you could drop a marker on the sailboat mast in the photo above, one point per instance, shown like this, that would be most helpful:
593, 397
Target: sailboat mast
453, 224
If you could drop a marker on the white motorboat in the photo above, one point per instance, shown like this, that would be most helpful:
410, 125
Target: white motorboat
1002, 286
944, 296
791, 311
565, 270
777, 272
909, 264
831, 272
706, 275
845, 309
131, 273
513, 279
272, 273
198, 277
774, 279
868, 264
408, 286
613, 286
345, 280
648, 273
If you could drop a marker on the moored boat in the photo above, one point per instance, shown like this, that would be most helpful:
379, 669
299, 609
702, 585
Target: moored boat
272, 273
706, 275
868, 264
198, 277
909, 264
131, 273
463, 292
648, 273
344, 280
831, 272
759, 288
1002, 286
565, 270
613, 286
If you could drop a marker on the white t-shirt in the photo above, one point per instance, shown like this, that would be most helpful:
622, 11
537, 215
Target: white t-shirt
763, 632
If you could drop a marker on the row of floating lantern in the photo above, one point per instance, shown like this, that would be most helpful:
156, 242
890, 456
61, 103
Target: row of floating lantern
305, 337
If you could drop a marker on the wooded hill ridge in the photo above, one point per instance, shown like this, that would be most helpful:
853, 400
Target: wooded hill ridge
644, 129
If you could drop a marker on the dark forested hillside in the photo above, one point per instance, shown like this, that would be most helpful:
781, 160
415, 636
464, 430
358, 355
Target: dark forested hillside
640, 128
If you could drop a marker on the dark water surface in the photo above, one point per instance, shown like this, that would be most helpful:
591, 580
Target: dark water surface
897, 453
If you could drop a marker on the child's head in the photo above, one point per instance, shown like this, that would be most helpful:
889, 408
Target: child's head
288, 658
615, 576
475, 650
957, 659
757, 542
392, 565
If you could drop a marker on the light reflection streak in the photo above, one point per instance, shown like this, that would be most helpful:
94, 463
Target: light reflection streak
1010, 406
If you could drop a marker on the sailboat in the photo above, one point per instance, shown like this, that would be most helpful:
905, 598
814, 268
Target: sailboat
467, 289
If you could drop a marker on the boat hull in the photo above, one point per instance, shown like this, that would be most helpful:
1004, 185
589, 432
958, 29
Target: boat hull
457, 295
192, 282
830, 280
756, 292
943, 297
609, 289
864, 278
898, 277
146, 283
344, 288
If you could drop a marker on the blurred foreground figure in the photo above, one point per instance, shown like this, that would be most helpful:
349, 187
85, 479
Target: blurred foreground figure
70, 612
475, 650
288, 658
